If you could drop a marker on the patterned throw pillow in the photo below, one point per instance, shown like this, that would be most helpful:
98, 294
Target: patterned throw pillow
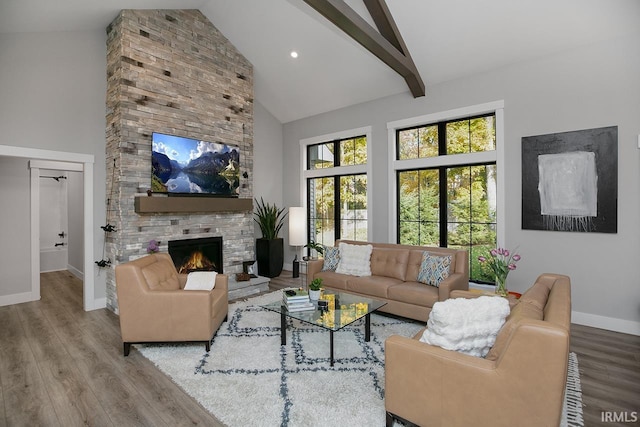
331, 258
434, 269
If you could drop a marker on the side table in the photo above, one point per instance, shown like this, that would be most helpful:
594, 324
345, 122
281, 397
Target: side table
304, 283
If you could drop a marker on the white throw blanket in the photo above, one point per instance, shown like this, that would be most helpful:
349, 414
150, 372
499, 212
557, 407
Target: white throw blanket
469, 326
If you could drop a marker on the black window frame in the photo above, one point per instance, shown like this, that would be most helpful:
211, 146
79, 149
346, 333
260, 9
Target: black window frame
336, 181
442, 176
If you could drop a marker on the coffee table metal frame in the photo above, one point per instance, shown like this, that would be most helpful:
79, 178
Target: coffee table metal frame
342, 317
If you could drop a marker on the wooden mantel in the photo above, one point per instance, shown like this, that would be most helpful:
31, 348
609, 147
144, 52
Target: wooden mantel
186, 204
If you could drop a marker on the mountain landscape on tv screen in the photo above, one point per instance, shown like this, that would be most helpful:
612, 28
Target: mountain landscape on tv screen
213, 172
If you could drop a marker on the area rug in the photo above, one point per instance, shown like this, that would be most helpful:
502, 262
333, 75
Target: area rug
248, 378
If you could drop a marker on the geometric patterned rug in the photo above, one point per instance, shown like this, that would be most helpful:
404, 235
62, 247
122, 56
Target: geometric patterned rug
249, 379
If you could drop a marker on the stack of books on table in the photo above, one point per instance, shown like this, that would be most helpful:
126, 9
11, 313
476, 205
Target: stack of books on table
297, 300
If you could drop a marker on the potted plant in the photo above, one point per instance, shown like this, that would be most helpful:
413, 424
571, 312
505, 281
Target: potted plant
314, 246
314, 289
269, 248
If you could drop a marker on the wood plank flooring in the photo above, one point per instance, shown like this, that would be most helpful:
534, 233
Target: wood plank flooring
609, 373
62, 366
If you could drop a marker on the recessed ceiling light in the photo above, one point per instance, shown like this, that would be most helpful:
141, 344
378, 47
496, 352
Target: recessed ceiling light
294, 54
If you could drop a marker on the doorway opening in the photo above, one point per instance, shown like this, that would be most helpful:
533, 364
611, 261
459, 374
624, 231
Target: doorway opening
55, 160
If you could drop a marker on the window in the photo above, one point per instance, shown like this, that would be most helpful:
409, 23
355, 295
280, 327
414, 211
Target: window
344, 152
336, 177
446, 186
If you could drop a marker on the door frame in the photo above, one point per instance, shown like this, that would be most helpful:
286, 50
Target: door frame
47, 159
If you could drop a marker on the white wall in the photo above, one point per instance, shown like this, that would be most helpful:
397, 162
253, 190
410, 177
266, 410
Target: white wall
590, 87
53, 90
15, 248
267, 159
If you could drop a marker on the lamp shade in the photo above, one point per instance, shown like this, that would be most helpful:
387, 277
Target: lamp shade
297, 226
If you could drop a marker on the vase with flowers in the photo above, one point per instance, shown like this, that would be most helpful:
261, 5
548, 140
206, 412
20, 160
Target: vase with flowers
153, 247
500, 261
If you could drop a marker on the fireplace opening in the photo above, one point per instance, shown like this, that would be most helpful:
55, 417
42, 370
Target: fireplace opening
204, 254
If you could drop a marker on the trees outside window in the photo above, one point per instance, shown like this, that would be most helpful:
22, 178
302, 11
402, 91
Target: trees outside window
337, 197
452, 202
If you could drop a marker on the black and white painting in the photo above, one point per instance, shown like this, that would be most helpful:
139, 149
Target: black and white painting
570, 181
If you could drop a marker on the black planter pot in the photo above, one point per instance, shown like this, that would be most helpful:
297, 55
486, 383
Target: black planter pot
270, 256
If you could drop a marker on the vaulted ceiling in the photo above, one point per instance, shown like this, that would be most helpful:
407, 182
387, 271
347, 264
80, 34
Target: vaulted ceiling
447, 39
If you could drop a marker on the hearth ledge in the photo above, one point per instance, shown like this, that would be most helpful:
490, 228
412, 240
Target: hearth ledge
254, 286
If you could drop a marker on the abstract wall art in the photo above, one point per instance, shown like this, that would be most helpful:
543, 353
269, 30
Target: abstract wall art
570, 181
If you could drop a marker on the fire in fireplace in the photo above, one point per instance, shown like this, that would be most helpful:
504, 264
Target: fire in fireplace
204, 254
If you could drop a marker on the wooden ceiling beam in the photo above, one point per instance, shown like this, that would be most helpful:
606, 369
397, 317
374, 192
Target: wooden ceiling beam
386, 24
385, 43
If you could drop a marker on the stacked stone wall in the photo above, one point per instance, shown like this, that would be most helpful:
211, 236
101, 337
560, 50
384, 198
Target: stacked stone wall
172, 72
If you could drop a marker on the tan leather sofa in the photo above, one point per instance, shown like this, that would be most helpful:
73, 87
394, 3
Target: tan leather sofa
154, 307
394, 272
521, 381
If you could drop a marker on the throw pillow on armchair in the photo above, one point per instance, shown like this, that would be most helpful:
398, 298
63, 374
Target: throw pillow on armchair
469, 326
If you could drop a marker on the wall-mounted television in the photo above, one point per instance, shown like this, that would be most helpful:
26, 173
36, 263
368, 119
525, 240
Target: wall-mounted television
188, 166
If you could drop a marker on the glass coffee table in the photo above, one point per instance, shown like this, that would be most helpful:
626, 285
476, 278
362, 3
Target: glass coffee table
350, 307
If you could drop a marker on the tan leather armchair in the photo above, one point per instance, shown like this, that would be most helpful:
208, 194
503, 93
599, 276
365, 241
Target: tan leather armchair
520, 382
154, 307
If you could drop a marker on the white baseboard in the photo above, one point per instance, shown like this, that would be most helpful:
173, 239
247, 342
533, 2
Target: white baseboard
608, 323
79, 274
28, 297
17, 298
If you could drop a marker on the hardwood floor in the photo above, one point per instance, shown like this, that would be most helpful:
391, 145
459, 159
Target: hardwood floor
62, 366
609, 374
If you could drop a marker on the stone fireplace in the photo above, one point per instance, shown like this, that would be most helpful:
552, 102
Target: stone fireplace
173, 72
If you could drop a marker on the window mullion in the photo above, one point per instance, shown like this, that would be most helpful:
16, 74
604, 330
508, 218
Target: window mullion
442, 139
308, 219
340, 170
336, 207
443, 206
442, 151
398, 206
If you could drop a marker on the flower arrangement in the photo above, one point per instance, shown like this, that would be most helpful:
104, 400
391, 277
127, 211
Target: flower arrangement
500, 261
153, 247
